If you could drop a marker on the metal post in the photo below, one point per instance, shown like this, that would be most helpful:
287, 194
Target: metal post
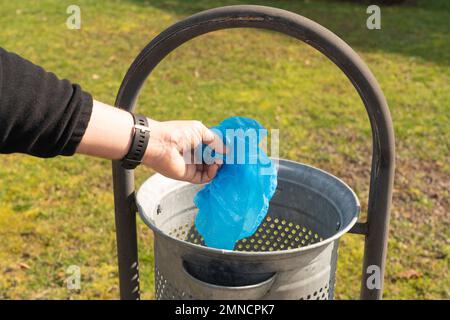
126, 236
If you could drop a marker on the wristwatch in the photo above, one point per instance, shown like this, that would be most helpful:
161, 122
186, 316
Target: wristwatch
141, 135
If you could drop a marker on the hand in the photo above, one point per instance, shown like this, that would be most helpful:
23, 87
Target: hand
170, 141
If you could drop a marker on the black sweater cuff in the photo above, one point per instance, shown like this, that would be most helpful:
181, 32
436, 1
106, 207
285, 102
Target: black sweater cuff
81, 121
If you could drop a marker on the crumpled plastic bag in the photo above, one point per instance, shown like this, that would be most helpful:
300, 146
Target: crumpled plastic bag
234, 203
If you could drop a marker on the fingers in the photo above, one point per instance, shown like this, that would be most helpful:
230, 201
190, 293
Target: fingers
211, 171
213, 140
203, 173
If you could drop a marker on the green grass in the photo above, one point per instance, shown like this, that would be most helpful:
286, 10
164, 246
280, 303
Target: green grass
59, 212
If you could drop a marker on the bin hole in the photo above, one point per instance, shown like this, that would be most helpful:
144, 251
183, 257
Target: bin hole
219, 274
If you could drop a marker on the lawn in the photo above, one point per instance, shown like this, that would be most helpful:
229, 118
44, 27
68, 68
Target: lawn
59, 212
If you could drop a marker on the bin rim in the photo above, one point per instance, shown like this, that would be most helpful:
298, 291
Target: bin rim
234, 253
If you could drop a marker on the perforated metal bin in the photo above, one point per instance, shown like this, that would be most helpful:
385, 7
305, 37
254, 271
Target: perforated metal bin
292, 255
262, 274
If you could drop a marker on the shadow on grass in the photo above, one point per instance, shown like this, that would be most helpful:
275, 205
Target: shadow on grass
417, 30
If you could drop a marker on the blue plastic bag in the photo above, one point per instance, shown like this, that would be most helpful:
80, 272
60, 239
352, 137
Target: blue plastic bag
234, 203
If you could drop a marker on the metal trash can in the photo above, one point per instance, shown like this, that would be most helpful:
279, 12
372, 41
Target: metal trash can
309, 201
292, 255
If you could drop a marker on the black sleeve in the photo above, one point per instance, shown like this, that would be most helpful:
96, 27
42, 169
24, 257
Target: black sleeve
39, 114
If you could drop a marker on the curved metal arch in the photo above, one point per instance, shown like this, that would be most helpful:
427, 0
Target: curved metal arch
249, 16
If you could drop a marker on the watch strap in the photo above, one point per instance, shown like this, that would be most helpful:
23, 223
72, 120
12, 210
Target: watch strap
139, 143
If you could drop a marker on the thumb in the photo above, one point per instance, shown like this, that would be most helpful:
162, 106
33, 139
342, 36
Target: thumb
213, 140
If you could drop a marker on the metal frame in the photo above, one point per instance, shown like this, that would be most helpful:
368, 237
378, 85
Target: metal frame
375, 229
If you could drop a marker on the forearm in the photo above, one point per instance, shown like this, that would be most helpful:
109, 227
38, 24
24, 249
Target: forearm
108, 134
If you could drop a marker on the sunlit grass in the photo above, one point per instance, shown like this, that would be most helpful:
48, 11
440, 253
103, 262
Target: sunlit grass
59, 212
